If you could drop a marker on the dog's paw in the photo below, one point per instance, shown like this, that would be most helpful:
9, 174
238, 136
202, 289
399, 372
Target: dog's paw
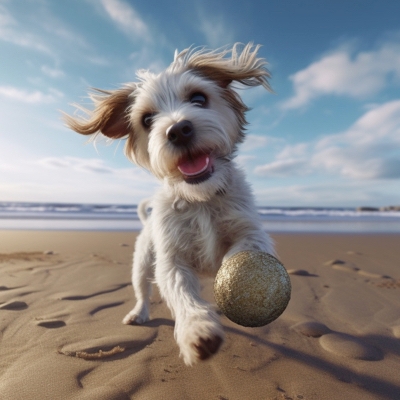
138, 315
208, 347
199, 340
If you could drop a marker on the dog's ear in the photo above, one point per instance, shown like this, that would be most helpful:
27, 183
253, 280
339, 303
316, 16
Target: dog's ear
110, 115
242, 66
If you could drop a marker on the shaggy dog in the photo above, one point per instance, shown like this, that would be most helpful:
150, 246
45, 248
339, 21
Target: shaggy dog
183, 125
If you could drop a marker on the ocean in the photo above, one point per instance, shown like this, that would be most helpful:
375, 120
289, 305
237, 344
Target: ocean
114, 217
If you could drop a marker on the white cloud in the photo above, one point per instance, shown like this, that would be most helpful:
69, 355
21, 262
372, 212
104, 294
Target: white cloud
243, 160
52, 72
5, 18
99, 61
329, 193
369, 149
215, 30
291, 161
31, 97
281, 168
96, 168
381, 123
343, 73
95, 165
298, 150
46, 34
67, 34
126, 18
255, 142
11, 32
73, 179
147, 58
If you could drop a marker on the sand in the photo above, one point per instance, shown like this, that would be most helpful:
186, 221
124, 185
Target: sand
63, 296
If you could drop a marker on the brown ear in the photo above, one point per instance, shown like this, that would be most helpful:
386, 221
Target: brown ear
240, 64
109, 115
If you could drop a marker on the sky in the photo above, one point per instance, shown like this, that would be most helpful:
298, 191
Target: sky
329, 136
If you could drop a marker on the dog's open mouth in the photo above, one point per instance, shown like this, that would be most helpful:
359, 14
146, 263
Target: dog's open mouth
196, 168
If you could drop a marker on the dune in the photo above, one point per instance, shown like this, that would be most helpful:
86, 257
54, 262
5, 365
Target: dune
63, 296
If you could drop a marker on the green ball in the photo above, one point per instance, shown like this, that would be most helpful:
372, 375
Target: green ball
252, 288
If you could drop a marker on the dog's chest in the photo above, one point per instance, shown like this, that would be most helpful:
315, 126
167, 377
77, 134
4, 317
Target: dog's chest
205, 244
198, 237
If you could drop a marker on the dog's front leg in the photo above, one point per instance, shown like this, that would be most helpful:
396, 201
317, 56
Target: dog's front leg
198, 331
251, 237
142, 275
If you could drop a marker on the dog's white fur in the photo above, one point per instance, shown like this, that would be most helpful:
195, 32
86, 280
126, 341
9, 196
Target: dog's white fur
197, 223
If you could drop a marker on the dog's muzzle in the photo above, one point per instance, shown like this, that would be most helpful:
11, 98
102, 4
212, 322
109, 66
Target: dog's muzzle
195, 167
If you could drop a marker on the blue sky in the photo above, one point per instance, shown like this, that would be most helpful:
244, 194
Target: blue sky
329, 136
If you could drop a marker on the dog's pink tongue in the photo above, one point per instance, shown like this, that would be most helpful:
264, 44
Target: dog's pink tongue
194, 166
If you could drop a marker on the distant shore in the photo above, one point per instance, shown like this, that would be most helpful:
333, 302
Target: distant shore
386, 208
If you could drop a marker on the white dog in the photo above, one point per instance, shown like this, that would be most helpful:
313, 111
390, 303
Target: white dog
183, 125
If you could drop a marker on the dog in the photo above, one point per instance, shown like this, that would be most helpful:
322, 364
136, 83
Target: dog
184, 125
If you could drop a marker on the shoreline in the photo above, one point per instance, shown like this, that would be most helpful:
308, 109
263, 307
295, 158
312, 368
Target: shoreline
271, 226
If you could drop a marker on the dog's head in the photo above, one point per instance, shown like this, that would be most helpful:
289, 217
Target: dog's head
183, 124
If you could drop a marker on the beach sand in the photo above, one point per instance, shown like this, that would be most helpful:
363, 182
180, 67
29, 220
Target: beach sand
63, 296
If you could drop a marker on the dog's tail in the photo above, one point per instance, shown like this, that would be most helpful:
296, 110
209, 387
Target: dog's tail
142, 210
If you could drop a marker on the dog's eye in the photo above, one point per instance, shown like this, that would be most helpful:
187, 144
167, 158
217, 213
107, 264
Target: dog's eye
198, 99
147, 120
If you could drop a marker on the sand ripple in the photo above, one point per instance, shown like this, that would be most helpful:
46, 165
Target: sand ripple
311, 328
14, 306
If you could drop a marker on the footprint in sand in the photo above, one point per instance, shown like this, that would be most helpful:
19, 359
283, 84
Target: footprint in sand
51, 324
388, 284
299, 272
345, 266
4, 288
338, 343
396, 331
311, 328
14, 306
330, 263
96, 349
341, 265
353, 253
67, 296
350, 347
373, 275
101, 307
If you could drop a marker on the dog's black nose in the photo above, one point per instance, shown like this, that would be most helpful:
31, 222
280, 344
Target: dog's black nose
181, 133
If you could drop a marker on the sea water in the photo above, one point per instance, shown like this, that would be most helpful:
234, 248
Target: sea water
116, 217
